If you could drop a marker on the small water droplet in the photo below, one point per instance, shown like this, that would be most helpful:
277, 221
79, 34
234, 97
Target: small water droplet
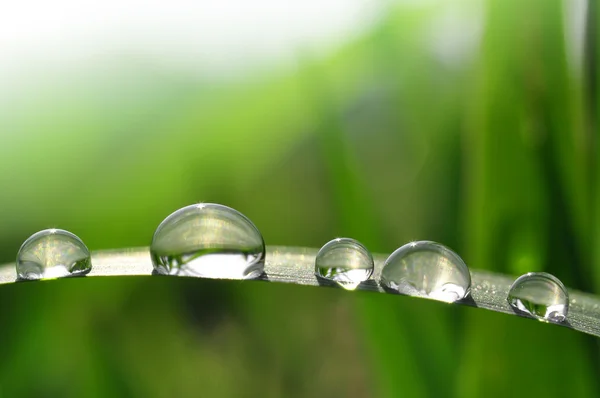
427, 269
52, 253
540, 295
208, 240
344, 261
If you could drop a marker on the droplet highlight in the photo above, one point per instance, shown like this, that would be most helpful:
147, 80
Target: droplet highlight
52, 253
208, 240
540, 295
427, 269
345, 262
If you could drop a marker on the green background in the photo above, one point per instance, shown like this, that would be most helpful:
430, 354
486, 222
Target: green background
388, 138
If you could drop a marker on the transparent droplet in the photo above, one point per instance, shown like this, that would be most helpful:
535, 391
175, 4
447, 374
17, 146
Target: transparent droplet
540, 295
208, 240
344, 261
52, 253
427, 269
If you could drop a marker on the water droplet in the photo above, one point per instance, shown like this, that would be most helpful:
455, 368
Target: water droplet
344, 261
52, 253
427, 269
208, 240
540, 295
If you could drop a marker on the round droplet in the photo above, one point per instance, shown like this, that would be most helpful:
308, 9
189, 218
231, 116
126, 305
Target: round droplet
52, 253
427, 269
344, 261
540, 295
208, 240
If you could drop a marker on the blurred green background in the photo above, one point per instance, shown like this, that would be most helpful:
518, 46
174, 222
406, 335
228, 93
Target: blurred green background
471, 123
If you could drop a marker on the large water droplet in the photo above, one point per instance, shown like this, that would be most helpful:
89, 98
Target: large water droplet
344, 261
540, 295
52, 253
208, 240
427, 269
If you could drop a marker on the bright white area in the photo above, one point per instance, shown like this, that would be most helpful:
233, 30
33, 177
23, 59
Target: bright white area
575, 12
207, 37
220, 38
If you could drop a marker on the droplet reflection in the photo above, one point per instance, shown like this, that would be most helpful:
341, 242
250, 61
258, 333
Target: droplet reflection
345, 262
427, 269
52, 253
208, 240
540, 295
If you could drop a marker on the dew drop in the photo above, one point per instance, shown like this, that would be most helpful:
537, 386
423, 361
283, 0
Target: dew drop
345, 262
540, 295
208, 240
52, 253
427, 269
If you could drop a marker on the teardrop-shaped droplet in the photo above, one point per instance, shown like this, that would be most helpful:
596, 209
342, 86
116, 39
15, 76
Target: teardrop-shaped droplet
540, 295
427, 269
208, 240
52, 253
344, 261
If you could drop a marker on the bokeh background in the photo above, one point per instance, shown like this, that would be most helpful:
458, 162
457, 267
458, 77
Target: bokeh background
472, 123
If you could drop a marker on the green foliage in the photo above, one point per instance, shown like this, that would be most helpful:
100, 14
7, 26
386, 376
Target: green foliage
383, 140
